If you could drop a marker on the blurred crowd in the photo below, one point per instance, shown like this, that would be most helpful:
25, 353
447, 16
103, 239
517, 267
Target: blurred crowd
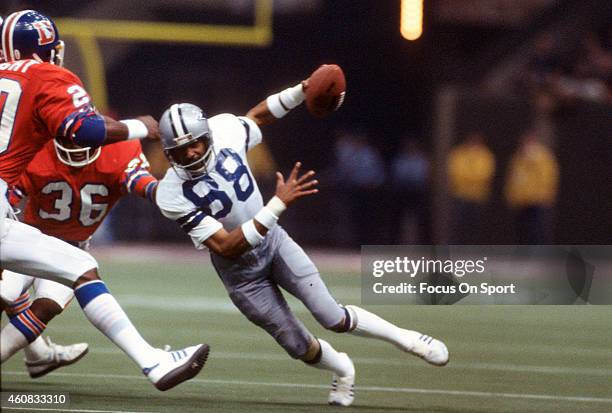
558, 74
390, 202
378, 202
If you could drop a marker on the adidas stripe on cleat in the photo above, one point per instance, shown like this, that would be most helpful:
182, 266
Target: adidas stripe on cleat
426, 347
175, 367
343, 387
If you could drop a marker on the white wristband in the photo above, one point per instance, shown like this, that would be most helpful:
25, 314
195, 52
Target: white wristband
293, 96
268, 215
281, 103
251, 234
266, 218
277, 207
136, 129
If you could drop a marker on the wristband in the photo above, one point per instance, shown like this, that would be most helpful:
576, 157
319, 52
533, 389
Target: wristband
281, 103
268, 215
251, 234
136, 129
276, 205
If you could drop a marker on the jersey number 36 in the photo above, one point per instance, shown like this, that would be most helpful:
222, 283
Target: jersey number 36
90, 212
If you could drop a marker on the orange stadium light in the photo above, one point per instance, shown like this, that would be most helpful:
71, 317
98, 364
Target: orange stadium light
411, 19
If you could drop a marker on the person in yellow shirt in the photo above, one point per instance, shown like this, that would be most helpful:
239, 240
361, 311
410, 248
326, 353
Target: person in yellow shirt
471, 168
531, 189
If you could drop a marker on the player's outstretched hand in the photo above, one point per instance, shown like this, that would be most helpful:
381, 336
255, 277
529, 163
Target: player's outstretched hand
295, 186
152, 126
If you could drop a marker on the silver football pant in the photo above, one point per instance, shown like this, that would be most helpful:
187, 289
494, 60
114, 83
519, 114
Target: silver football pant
253, 282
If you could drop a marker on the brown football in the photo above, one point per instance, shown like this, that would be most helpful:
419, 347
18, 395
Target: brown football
326, 90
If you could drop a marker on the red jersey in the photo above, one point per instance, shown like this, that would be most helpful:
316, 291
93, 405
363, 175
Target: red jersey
70, 203
36, 101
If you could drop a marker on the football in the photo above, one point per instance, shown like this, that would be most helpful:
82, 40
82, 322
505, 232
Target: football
326, 90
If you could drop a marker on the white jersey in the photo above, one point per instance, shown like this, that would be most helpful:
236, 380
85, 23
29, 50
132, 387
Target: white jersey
227, 196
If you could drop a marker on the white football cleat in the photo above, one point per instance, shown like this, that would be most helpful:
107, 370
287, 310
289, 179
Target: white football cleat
426, 347
342, 391
57, 356
175, 367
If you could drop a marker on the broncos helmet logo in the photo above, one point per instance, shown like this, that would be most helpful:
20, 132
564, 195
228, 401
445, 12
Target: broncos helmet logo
46, 34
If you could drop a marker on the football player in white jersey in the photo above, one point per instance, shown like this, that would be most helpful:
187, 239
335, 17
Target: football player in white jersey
210, 192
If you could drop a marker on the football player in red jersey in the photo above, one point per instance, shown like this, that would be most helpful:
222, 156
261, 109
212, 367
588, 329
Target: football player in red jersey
69, 192
40, 100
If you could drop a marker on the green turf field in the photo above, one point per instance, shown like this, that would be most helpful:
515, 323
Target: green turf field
503, 359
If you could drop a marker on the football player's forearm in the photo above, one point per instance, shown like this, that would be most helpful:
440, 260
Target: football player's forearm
146, 186
243, 245
260, 114
232, 244
277, 105
117, 131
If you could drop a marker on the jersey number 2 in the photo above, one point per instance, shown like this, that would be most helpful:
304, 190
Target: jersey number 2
10, 92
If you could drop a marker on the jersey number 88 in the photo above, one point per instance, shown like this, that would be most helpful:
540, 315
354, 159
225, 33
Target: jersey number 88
215, 194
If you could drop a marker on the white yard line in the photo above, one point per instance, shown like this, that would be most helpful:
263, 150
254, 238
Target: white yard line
336, 260
408, 390
606, 372
48, 409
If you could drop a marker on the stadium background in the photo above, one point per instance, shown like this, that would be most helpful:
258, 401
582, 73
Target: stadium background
460, 75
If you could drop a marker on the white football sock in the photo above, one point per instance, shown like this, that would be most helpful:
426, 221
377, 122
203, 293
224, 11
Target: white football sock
367, 324
11, 341
104, 312
339, 363
37, 350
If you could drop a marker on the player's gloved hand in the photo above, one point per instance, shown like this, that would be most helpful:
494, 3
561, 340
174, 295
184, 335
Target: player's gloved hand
152, 127
295, 187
